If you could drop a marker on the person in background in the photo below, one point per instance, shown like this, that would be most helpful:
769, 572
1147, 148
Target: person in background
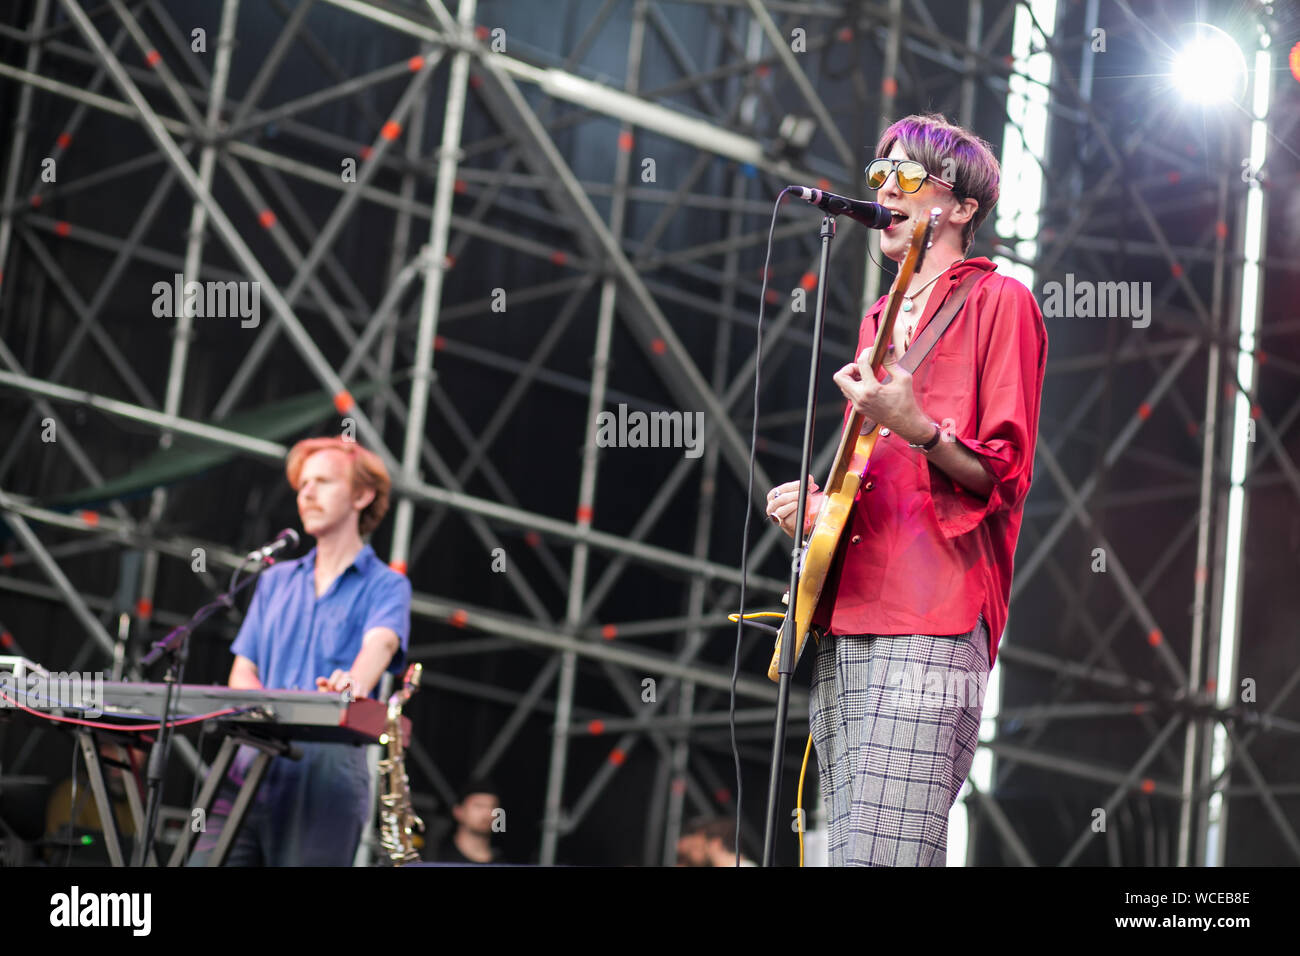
710, 841
690, 845
476, 815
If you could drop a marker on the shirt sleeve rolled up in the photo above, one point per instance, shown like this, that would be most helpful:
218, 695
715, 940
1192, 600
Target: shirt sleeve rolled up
1012, 356
391, 608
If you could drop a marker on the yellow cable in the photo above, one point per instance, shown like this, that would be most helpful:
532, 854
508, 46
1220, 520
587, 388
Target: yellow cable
807, 751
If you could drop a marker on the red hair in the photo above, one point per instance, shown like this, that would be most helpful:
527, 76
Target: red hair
368, 471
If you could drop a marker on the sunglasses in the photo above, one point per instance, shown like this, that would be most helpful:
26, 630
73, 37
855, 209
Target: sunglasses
911, 174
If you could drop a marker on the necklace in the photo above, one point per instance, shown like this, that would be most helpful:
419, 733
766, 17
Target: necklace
907, 299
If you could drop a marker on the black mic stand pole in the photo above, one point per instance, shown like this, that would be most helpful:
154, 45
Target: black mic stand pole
786, 664
176, 648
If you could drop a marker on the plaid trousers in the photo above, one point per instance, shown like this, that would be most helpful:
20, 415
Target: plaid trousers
895, 721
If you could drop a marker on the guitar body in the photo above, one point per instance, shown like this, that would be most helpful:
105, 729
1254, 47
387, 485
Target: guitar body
851, 461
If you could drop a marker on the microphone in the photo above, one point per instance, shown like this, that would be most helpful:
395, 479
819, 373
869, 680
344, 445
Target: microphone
288, 538
870, 214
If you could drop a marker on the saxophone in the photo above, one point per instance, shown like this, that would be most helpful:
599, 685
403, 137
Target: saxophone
398, 819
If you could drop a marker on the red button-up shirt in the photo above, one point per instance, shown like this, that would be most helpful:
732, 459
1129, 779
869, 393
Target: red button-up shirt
922, 555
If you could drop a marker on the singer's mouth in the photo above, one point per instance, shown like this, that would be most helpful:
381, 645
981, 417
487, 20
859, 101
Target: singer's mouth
897, 217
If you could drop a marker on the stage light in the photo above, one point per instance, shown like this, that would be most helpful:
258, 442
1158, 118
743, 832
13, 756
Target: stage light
1242, 441
796, 132
1210, 68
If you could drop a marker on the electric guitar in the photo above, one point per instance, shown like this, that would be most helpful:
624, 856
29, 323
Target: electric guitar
851, 461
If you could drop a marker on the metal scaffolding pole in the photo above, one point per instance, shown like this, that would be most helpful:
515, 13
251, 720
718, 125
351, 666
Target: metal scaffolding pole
553, 820
18, 147
274, 452
1188, 843
184, 331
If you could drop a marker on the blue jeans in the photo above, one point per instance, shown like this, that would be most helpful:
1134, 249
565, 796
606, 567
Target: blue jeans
308, 812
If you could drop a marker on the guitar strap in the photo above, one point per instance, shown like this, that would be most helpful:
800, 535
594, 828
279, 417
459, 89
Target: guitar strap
939, 324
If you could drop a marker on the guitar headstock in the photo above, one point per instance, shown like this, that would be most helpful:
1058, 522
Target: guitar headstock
921, 240
931, 225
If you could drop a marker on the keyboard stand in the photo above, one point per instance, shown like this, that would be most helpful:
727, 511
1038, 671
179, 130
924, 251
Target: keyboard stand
133, 800
267, 749
89, 742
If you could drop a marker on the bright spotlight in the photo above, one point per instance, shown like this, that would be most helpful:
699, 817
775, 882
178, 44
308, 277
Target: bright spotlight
1211, 68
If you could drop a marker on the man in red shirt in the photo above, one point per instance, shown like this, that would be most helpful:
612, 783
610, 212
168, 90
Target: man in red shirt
916, 600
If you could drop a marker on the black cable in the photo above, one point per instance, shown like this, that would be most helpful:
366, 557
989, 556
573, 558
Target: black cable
174, 643
194, 790
72, 806
203, 727
749, 512
880, 265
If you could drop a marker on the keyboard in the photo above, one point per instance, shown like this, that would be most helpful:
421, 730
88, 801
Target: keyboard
280, 714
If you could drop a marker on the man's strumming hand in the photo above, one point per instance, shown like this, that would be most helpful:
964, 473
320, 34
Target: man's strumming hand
892, 403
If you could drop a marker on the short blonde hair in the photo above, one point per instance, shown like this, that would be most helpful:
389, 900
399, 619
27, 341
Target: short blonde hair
930, 139
368, 471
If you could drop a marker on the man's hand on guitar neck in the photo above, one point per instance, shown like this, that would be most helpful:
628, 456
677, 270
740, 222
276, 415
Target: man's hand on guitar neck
783, 502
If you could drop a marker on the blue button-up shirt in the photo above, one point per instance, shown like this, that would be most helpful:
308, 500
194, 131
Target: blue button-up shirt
294, 637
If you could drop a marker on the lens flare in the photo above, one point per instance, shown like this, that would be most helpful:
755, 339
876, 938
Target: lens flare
1210, 69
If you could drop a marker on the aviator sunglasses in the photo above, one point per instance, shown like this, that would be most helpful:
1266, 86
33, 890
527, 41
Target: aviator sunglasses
911, 174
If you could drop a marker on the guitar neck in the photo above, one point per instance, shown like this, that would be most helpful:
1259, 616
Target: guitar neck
884, 335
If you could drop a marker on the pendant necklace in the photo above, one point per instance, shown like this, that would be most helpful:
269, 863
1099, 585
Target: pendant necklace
907, 299
907, 307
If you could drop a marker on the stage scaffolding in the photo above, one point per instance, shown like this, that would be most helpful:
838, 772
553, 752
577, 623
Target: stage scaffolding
146, 74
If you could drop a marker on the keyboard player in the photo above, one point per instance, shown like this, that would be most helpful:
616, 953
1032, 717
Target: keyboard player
333, 620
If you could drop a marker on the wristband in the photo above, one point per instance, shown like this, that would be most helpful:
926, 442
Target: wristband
926, 447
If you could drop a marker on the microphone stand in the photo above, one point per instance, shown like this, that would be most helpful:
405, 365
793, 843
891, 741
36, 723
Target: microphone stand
176, 648
786, 663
